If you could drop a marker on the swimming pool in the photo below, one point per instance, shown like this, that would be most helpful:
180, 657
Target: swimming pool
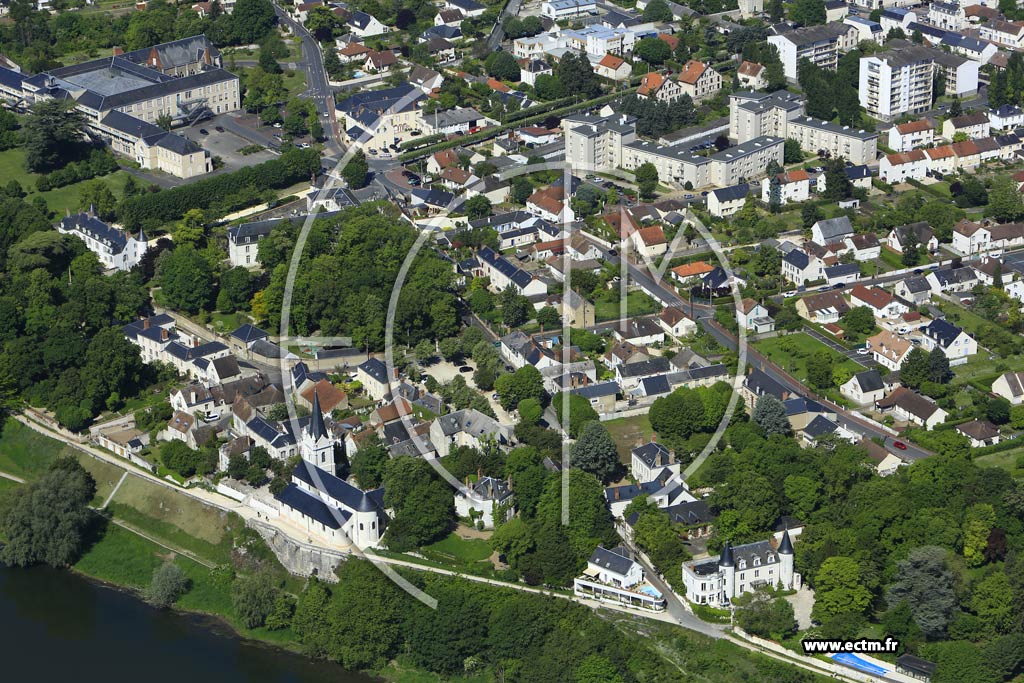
855, 662
650, 590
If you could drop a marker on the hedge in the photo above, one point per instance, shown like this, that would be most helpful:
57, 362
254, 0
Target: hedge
100, 162
220, 194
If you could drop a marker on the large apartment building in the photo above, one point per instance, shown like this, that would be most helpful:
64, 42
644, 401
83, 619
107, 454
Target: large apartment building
593, 141
780, 114
753, 114
123, 96
900, 80
819, 44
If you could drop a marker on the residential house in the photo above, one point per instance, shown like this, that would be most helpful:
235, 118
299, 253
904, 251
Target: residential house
981, 433
613, 68
602, 396
718, 580
952, 279
373, 375
629, 375
792, 186
614, 576
823, 307
726, 201
699, 80
116, 249
1010, 385
1006, 117
831, 230
898, 168
923, 237
882, 303
757, 384
650, 460
954, 342
467, 427
799, 267
974, 238
380, 61
754, 317
243, 242
365, 25
904, 137
752, 75
488, 499
907, 406
915, 289
974, 125
842, 273
688, 272
676, 323
864, 388
503, 274
865, 246
888, 349
656, 86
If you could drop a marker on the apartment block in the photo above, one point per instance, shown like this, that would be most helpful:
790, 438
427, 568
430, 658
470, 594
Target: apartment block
899, 81
822, 45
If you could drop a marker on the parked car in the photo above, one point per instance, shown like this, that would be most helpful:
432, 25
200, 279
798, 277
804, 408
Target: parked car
203, 131
838, 285
789, 294
863, 351
900, 445
219, 129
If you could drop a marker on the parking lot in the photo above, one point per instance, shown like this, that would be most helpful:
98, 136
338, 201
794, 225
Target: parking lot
232, 136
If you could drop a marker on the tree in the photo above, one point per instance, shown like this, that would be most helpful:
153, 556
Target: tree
253, 598
595, 452
251, 20
45, 521
978, 523
357, 171
770, 415
647, 178
477, 207
268, 63
657, 11
51, 134
819, 369
548, 87
839, 588
503, 66
513, 387
997, 410
169, 583
1004, 201
653, 50
776, 10
514, 540
424, 508
837, 184
810, 214
767, 617
992, 601
915, 368
859, 320
580, 413
236, 287
926, 585
577, 75
938, 366
808, 12
802, 493
186, 279
530, 411
791, 152
95, 195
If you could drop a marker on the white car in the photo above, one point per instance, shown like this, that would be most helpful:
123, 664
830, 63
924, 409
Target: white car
903, 330
790, 294
863, 351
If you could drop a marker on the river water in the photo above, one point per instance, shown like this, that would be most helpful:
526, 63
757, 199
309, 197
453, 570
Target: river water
57, 626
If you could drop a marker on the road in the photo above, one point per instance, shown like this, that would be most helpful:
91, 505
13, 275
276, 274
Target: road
511, 9
318, 90
865, 360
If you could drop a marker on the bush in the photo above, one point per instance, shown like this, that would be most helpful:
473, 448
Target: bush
169, 583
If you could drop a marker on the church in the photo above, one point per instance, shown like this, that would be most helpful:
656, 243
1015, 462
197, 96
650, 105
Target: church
741, 569
321, 503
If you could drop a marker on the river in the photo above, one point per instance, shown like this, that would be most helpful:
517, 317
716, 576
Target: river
58, 626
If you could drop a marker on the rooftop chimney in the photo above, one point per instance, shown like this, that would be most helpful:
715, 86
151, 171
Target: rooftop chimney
118, 50
146, 324
163, 335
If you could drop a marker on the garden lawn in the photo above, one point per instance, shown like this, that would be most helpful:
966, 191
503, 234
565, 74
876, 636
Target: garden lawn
1006, 460
461, 549
106, 475
626, 431
608, 307
25, 452
791, 351
12, 167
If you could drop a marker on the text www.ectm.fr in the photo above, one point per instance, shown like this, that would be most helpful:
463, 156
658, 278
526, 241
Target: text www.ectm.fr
813, 646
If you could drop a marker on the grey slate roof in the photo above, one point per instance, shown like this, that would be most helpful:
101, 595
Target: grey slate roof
615, 560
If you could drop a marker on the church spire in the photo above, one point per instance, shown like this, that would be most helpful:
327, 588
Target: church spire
317, 428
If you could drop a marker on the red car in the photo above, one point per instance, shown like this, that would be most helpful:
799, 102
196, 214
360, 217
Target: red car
900, 445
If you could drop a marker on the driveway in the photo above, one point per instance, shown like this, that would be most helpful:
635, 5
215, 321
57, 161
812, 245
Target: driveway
864, 361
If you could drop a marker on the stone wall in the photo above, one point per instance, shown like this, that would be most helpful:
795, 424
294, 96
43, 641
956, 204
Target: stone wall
298, 558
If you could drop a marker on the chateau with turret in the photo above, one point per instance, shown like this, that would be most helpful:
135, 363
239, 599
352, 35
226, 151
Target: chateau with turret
740, 569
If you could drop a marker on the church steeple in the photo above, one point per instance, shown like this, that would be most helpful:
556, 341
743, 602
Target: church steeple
317, 429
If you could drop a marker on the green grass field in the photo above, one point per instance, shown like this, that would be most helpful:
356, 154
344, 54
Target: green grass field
626, 431
175, 518
106, 475
608, 306
1006, 460
26, 453
12, 167
792, 350
461, 549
